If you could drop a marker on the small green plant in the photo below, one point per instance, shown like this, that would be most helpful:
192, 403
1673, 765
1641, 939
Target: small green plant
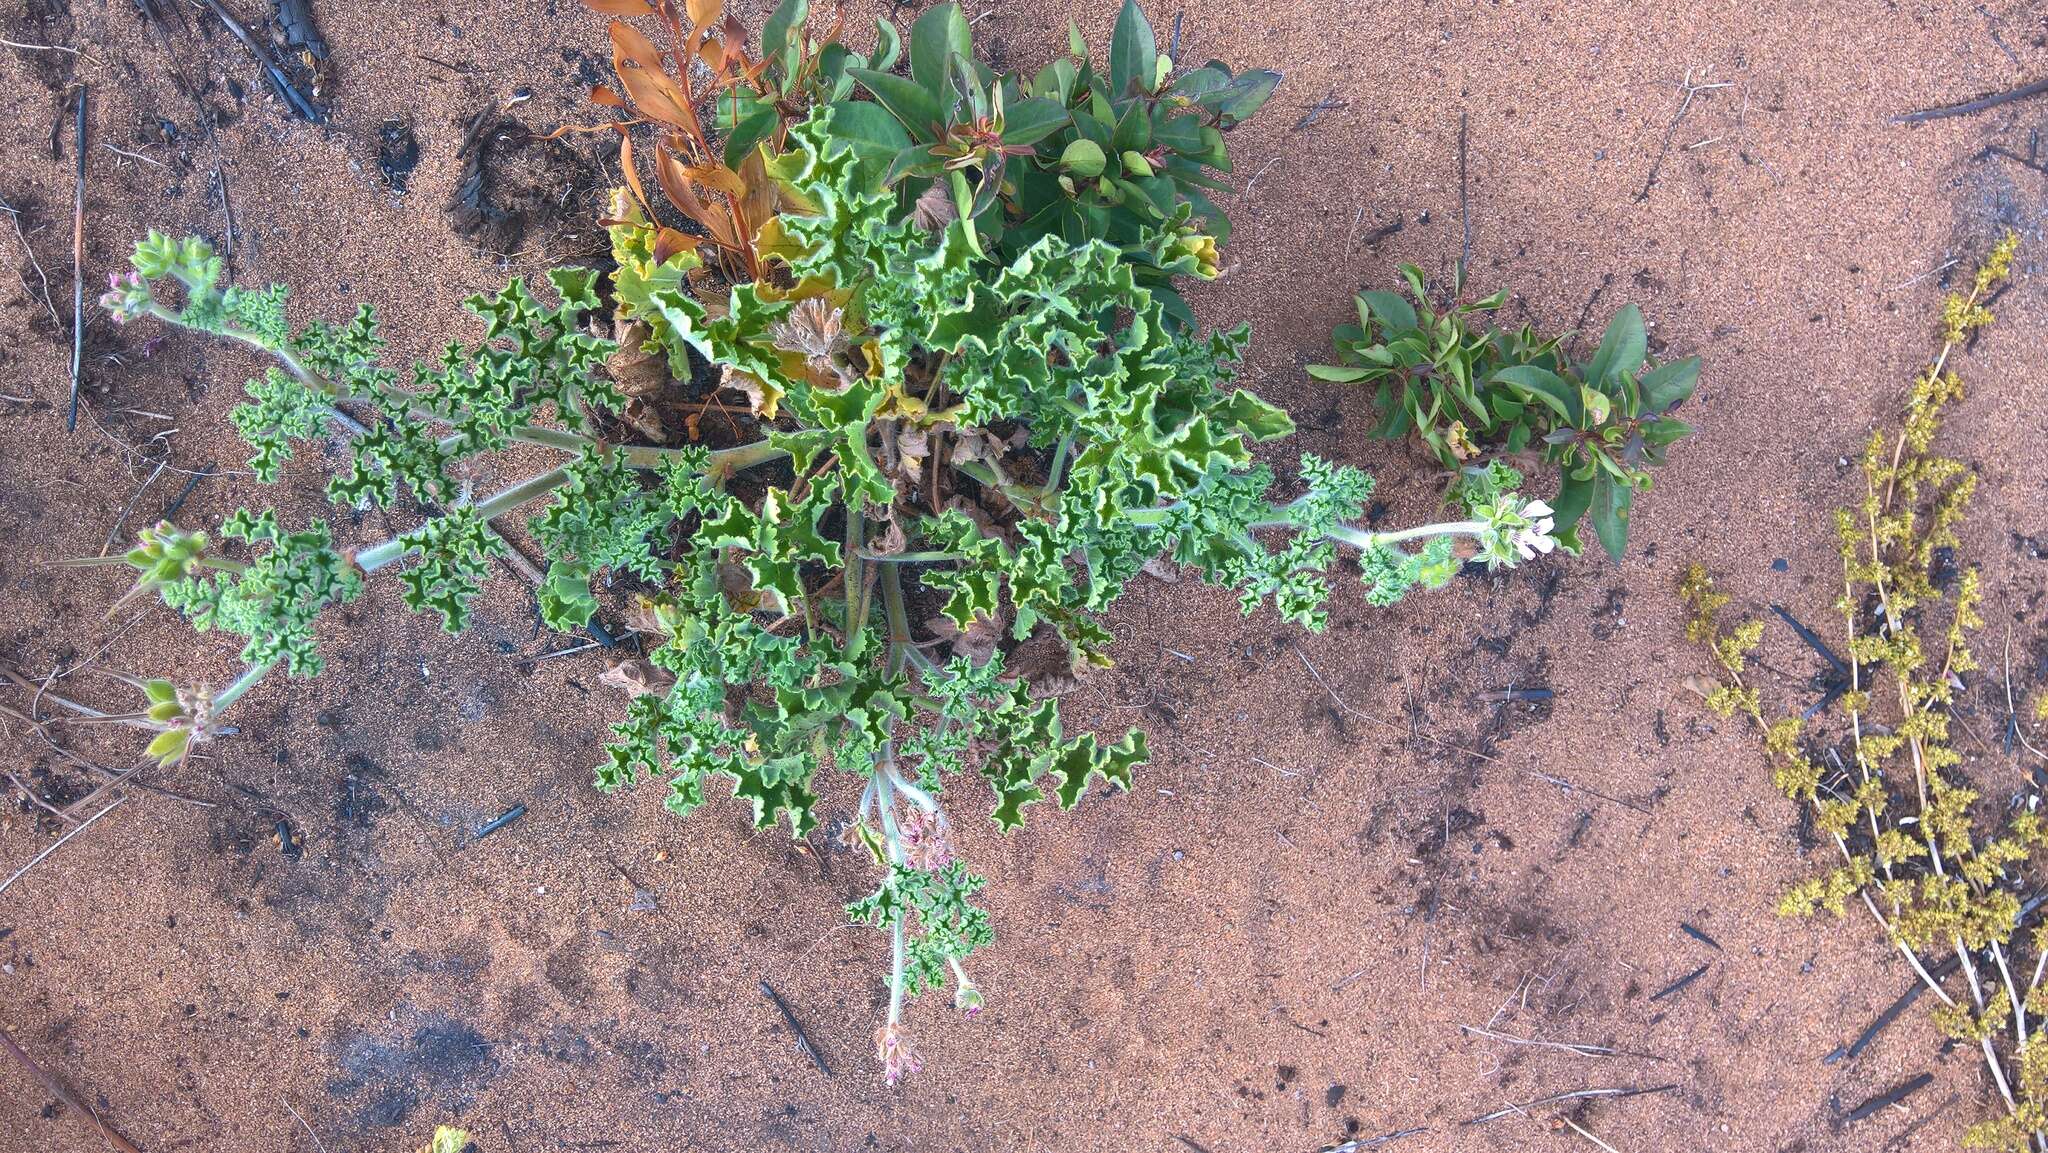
1470, 392
952, 460
1124, 154
1912, 834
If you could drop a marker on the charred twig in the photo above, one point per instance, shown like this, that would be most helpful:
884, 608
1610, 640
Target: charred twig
107, 1132
300, 104
1357, 1143
1890, 1097
500, 821
1381, 233
77, 258
1677, 986
1689, 90
1314, 112
1505, 696
1972, 107
1884, 1020
1577, 1094
191, 482
1699, 936
1464, 209
1812, 640
803, 1039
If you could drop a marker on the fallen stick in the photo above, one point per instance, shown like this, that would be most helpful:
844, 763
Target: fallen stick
1679, 984
280, 83
1972, 107
803, 1040
1574, 1095
82, 826
1357, 1143
107, 1132
1890, 1097
77, 259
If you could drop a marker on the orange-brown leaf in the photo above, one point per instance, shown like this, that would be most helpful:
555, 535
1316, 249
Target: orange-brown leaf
759, 203
704, 13
675, 182
668, 242
712, 52
719, 178
629, 43
633, 174
602, 95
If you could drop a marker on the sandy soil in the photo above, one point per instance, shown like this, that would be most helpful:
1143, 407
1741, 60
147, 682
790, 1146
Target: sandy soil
1273, 942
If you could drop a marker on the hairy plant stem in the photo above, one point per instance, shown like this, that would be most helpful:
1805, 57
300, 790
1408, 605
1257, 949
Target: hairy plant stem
242, 684
885, 779
1366, 541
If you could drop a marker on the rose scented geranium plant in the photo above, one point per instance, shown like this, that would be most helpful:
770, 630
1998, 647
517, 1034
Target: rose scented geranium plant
948, 454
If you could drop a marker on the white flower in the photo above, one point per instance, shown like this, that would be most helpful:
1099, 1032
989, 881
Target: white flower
1536, 536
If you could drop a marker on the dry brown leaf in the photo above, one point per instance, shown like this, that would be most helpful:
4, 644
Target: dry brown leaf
638, 678
978, 643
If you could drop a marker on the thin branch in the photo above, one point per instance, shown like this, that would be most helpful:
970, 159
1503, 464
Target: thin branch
37, 859
1972, 107
107, 1132
1568, 1046
77, 260
1576, 1094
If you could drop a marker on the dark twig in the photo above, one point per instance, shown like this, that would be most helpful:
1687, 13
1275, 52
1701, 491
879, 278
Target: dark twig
1464, 209
1890, 1097
280, 83
1504, 696
1676, 986
57, 1089
1688, 90
77, 259
1381, 233
500, 821
1702, 938
1329, 103
1972, 107
1883, 1021
1812, 640
1918, 987
191, 482
803, 1039
1577, 1094
1357, 1143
